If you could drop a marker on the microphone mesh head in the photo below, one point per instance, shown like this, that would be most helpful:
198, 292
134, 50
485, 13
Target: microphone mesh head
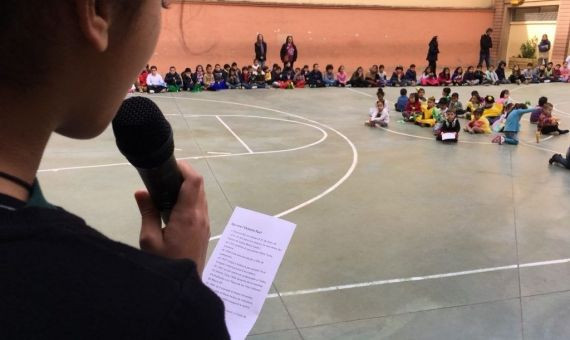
142, 133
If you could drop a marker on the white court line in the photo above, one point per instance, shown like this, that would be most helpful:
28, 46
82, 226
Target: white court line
234, 134
418, 278
319, 196
219, 153
359, 92
324, 136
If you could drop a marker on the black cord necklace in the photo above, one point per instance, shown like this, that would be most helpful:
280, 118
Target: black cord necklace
20, 182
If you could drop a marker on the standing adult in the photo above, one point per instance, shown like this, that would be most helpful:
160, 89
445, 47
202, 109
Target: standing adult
289, 52
543, 50
433, 51
260, 50
486, 44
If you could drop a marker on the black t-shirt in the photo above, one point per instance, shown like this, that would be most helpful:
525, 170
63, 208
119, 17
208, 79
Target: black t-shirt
60, 279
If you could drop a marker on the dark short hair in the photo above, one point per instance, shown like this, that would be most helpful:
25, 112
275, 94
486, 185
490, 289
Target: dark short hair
172, 67
153, 68
403, 92
330, 67
542, 101
315, 65
413, 65
455, 94
447, 90
489, 30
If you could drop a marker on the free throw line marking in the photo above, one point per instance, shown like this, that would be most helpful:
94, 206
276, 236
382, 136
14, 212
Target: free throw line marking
234, 134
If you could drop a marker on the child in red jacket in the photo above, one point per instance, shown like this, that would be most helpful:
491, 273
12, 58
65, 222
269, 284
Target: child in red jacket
413, 108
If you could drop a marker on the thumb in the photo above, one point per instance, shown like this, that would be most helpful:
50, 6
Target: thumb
151, 226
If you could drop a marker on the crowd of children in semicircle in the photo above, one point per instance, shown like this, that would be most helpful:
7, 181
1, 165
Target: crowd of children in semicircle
484, 115
258, 75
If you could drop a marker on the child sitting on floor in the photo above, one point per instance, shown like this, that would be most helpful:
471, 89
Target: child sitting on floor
412, 109
397, 78
208, 77
504, 98
529, 74
428, 78
479, 124
491, 75
470, 78
446, 93
402, 101
455, 105
457, 78
329, 78
154, 81
559, 159
382, 76
299, 80
444, 77
422, 95
380, 95
516, 76
234, 82
342, 77
547, 123
379, 116
492, 111
535, 115
512, 125
449, 131
473, 104
439, 114
411, 76
480, 75
564, 72
426, 119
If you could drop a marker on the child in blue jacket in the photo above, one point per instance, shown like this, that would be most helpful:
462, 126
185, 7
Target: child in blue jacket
402, 100
513, 125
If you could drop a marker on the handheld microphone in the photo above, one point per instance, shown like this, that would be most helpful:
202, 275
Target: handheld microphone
145, 138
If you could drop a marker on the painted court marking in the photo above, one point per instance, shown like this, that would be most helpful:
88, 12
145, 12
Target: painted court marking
418, 278
234, 134
213, 154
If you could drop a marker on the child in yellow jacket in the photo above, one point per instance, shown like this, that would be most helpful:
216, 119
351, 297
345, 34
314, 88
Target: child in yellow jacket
427, 118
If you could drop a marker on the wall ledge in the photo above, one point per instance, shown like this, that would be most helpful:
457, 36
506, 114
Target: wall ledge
327, 6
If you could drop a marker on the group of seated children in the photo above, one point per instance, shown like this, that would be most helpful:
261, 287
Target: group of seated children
257, 76
484, 115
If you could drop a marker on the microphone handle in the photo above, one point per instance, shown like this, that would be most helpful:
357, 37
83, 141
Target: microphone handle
163, 184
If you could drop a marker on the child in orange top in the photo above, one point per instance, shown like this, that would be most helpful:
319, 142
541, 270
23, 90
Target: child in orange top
479, 124
427, 119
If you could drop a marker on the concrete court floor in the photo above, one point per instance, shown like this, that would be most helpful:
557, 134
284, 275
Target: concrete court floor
447, 223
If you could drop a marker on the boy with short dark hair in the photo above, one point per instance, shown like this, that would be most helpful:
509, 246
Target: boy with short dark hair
402, 101
316, 77
411, 76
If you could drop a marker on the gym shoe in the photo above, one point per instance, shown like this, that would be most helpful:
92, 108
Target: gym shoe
563, 132
502, 140
151, 91
497, 139
551, 160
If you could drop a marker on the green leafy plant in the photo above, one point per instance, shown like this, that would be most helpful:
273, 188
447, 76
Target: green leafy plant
528, 49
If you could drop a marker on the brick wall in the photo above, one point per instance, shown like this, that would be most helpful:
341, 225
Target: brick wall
560, 46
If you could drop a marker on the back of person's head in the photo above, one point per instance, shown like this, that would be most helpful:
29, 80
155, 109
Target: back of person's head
542, 101
380, 92
521, 106
443, 102
403, 92
447, 91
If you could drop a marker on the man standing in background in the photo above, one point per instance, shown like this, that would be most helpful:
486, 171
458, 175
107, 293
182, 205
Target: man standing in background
486, 45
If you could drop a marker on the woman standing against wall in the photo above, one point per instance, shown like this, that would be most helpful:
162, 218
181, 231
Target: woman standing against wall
543, 50
433, 51
289, 51
260, 50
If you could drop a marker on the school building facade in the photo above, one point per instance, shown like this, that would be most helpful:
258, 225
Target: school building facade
357, 32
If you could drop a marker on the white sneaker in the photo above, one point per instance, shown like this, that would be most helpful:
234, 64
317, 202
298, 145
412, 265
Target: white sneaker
151, 91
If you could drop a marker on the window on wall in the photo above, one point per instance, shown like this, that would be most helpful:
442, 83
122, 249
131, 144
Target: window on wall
543, 13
